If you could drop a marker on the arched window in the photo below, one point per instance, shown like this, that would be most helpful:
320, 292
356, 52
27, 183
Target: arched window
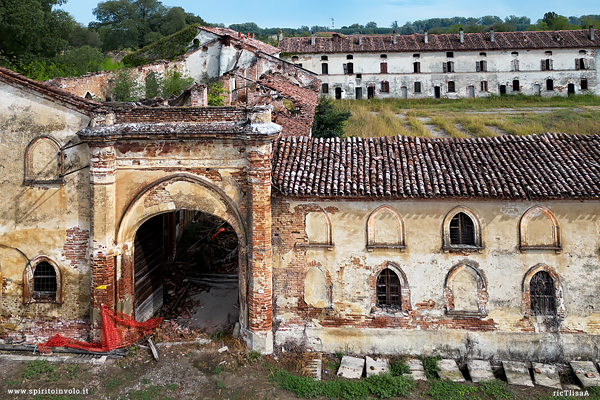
462, 231
539, 230
466, 291
42, 281
388, 290
542, 294
43, 161
319, 231
385, 229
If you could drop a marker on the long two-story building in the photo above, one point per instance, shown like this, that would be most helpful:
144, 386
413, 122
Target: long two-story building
548, 63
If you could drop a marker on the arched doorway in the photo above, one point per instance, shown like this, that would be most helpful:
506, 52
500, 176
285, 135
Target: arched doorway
152, 228
186, 267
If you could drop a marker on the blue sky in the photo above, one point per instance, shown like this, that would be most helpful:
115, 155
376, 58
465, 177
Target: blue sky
293, 14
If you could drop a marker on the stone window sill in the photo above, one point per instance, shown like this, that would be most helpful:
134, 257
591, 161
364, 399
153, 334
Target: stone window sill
328, 246
462, 249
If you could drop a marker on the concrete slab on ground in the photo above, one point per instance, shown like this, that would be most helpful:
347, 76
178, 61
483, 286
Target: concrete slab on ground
586, 372
351, 367
415, 366
517, 373
449, 371
377, 366
480, 370
546, 375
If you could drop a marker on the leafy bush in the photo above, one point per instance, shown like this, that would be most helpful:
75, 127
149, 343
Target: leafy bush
328, 121
448, 390
399, 367
126, 87
430, 365
497, 389
174, 83
153, 83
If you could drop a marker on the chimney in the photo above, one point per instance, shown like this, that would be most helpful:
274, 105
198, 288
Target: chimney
252, 35
360, 37
280, 35
240, 35
312, 38
426, 39
395, 40
491, 34
591, 32
461, 35
199, 96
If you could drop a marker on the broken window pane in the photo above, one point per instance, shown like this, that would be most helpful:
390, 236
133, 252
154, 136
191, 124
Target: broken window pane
542, 294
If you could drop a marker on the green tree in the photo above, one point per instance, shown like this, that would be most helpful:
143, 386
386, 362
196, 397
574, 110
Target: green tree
126, 87
174, 83
153, 84
30, 29
328, 121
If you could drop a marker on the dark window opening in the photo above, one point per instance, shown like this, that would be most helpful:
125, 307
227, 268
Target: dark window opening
416, 55
350, 68
515, 53
338, 93
548, 53
582, 52
358, 76
484, 86
385, 87
570, 89
542, 294
482, 54
584, 84
417, 67
358, 93
417, 87
516, 86
196, 43
580, 63
481, 66
388, 289
437, 92
44, 281
448, 66
462, 230
370, 92
325, 88
383, 56
450, 54
502, 89
383, 68
324, 58
451, 87
547, 65
294, 58
549, 84
324, 68
349, 57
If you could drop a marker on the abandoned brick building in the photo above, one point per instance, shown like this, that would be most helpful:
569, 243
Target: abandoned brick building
548, 63
459, 247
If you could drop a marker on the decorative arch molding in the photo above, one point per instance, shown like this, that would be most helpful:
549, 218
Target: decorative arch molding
44, 161
400, 239
524, 243
28, 286
448, 246
561, 311
453, 307
405, 301
326, 238
177, 192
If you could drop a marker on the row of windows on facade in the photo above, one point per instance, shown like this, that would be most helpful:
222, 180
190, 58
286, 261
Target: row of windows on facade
538, 230
464, 293
448, 66
451, 87
449, 54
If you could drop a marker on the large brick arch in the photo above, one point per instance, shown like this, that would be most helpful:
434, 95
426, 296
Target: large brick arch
171, 193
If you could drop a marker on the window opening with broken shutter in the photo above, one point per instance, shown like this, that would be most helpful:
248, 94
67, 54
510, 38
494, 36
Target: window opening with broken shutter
462, 230
542, 294
388, 289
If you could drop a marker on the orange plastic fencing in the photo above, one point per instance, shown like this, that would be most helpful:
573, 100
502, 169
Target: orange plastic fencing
117, 330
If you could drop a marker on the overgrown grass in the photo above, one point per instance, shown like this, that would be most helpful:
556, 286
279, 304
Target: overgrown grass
382, 386
390, 117
497, 389
449, 390
430, 365
38, 369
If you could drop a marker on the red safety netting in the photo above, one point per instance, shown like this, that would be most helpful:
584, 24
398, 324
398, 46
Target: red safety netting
117, 330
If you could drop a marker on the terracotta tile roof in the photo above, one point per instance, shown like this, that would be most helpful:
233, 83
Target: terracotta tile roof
49, 91
257, 44
549, 165
443, 42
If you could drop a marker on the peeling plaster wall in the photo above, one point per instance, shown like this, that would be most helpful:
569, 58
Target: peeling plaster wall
354, 323
48, 219
400, 72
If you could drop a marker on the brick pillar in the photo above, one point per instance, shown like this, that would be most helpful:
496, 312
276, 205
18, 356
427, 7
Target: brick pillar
260, 303
199, 96
102, 236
